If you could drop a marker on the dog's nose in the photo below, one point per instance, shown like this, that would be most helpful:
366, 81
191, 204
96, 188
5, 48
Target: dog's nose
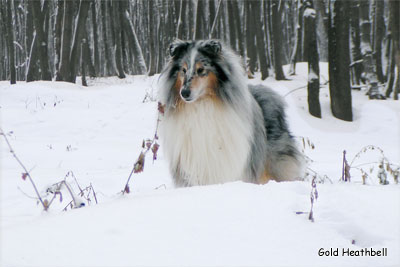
185, 93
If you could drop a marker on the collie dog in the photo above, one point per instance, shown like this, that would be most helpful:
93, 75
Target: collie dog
218, 129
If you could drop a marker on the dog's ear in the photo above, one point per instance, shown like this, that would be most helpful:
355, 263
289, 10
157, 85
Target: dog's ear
211, 47
177, 47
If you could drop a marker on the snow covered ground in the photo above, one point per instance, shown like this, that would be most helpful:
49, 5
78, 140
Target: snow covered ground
97, 132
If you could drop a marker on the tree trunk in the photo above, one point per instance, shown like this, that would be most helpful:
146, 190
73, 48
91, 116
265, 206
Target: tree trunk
393, 83
115, 8
83, 65
95, 39
366, 51
391, 76
339, 61
87, 55
322, 29
356, 58
261, 47
211, 15
298, 36
107, 40
277, 39
58, 33
251, 51
133, 40
213, 28
78, 34
199, 27
182, 11
10, 43
232, 28
152, 48
311, 43
63, 73
379, 29
239, 29
38, 20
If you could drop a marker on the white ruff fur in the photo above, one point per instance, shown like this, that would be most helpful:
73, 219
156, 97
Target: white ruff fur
209, 141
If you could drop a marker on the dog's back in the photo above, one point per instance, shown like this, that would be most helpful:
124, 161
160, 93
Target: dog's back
284, 160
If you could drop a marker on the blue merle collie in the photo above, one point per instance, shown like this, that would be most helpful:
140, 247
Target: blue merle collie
218, 129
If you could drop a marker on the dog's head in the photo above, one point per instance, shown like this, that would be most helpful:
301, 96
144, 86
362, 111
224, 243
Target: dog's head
195, 68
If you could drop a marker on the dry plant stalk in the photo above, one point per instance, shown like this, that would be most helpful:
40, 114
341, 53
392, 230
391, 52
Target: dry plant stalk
56, 188
391, 168
313, 198
147, 145
26, 173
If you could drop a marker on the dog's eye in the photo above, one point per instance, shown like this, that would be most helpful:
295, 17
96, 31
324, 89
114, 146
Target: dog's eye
184, 70
200, 71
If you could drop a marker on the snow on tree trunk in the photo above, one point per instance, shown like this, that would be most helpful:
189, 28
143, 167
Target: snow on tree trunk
339, 61
311, 48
